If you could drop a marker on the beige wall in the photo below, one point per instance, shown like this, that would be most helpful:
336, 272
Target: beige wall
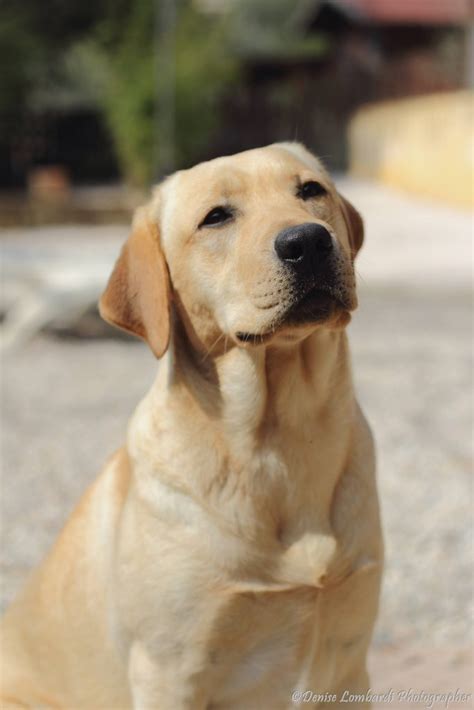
424, 145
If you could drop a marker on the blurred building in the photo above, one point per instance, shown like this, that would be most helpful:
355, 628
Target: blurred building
368, 51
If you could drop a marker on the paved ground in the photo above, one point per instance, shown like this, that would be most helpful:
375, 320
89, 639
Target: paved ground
63, 413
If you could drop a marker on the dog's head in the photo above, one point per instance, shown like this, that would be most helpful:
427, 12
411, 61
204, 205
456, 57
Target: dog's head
253, 248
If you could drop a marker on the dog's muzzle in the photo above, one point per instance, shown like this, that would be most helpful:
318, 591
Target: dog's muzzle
313, 264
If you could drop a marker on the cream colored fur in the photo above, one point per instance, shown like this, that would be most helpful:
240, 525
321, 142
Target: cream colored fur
231, 552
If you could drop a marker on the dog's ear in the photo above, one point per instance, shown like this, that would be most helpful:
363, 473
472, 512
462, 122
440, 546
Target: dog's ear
137, 297
354, 224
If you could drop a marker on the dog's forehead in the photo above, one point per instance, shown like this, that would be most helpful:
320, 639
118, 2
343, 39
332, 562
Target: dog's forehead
234, 172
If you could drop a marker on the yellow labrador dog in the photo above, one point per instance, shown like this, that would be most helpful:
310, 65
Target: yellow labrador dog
229, 556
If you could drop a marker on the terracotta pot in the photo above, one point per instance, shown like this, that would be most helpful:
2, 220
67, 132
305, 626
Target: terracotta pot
49, 183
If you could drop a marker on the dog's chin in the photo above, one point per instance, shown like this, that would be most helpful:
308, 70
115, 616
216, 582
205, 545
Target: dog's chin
317, 308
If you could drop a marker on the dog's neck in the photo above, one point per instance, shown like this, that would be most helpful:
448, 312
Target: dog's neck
255, 390
254, 398
260, 435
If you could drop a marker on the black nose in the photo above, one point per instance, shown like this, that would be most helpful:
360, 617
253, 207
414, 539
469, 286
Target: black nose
304, 247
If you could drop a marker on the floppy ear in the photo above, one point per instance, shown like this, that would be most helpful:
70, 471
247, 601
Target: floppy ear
137, 296
354, 224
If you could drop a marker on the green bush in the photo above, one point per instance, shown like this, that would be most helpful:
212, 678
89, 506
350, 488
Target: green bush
134, 99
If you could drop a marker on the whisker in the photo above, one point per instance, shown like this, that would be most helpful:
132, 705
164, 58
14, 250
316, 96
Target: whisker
359, 275
208, 352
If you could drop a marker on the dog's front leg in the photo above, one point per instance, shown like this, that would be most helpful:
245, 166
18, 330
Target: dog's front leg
353, 690
165, 684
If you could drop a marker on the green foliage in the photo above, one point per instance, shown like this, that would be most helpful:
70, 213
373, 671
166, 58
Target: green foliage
205, 69
32, 36
58, 55
128, 99
18, 46
159, 95
139, 84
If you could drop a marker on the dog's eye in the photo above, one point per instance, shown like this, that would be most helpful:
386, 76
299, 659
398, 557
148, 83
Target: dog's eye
218, 215
311, 189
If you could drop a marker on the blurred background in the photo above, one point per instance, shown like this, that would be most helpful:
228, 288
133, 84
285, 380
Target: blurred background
98, 101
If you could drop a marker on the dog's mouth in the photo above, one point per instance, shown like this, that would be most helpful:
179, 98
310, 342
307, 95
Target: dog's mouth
253, 338
315, 306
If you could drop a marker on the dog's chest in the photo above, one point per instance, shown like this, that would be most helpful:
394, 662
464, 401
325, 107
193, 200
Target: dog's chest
255, 641
273, 643
261, 645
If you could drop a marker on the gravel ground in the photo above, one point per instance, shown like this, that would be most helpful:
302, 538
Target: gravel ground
63, 413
